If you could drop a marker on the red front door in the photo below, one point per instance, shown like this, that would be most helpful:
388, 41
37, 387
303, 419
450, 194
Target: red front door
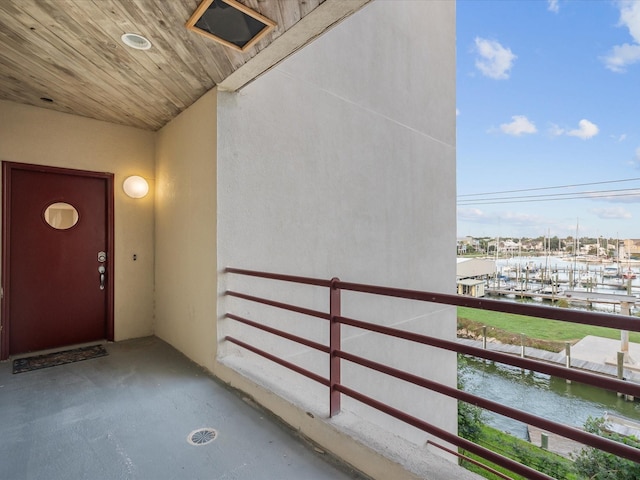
57, 249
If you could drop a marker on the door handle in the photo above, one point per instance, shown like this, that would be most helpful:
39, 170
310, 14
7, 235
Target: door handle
101, 271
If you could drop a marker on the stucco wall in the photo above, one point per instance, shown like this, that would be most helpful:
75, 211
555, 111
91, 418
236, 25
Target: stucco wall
45, 137
186, 231
341, 162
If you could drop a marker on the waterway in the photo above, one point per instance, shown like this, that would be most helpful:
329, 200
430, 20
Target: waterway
541, 395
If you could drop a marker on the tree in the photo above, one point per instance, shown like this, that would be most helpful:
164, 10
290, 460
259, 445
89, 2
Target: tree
483, 244
598, 465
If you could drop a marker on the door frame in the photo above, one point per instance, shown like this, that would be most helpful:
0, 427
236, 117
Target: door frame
5, 287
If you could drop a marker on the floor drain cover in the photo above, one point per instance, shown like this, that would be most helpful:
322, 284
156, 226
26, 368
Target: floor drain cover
202, 436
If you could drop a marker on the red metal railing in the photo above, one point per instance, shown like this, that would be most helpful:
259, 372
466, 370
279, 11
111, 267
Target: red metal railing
336, 355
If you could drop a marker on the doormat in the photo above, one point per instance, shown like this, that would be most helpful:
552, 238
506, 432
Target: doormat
58, 358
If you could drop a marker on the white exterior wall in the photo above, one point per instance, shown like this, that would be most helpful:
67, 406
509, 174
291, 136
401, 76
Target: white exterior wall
341, 162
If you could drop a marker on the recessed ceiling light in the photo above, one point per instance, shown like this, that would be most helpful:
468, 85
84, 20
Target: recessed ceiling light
136, 41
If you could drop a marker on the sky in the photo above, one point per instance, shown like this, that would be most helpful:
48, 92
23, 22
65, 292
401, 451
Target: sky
548, 109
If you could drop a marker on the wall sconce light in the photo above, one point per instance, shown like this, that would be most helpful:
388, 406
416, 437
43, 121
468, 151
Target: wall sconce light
135, 186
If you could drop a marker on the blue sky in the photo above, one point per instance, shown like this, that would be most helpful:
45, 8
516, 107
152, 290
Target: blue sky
548, 95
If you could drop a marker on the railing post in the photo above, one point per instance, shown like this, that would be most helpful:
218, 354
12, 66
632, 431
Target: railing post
620, 362
567, 359
334, 345
484, 337
544, 441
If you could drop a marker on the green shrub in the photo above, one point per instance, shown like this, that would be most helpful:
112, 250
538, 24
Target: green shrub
469, 416
598, 465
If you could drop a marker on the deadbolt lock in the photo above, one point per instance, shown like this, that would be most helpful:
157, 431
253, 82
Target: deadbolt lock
102, 256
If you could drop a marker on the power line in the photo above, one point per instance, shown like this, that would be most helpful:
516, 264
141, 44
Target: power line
499, 201
548, 188
554, 196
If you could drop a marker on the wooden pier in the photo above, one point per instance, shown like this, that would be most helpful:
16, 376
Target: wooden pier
554, 443
603, 368
570, 296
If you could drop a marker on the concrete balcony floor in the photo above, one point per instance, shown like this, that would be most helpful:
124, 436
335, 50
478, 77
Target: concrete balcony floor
128, 416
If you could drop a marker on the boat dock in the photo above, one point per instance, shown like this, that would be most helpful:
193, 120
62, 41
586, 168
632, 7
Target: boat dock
592, 354
570, 448
570, 296
553, 442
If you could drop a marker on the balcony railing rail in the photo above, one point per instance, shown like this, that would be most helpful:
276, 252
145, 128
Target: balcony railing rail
336, 355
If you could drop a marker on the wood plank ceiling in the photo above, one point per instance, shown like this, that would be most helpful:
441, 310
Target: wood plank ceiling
67, 55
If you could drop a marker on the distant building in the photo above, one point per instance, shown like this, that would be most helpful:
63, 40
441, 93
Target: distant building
466, 244
471, 287
471, 275
631, 247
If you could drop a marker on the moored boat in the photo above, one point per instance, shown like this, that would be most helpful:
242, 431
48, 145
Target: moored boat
629, 274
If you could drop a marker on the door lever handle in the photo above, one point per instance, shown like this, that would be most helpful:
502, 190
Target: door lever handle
101, 271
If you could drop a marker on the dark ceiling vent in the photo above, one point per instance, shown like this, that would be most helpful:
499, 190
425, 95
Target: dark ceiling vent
229, 22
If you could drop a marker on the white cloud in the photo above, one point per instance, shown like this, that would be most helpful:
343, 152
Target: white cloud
477, 215
523, 219
585, 130
494, 60
553, 6
519, 125
555, 130
620, 138
621, 56
457, 112
624, 196
513, 223
630, 17
473, 214
611, 213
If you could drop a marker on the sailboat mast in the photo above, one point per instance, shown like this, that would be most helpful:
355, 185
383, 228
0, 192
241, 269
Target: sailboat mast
547, 251
576, 246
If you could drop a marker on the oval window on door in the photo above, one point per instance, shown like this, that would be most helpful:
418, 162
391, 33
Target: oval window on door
61, 215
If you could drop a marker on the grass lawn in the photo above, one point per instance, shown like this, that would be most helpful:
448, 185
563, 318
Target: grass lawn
522, 451
553, 331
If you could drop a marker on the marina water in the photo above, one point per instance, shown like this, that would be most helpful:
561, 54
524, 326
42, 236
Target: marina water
539, 394
566, 273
